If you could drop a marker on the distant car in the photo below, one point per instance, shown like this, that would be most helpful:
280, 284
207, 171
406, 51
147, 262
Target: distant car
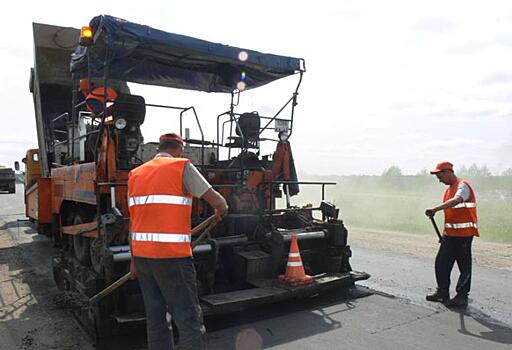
7, 180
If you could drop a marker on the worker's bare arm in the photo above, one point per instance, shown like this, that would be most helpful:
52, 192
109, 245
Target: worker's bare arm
218, 202
448, 204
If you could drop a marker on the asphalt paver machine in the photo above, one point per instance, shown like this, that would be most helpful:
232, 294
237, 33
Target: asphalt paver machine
86, 156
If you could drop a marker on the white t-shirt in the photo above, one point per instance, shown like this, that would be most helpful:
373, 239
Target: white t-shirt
194, 182
462, 191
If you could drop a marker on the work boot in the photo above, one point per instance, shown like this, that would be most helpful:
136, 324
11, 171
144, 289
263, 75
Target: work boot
459, 302
439, 296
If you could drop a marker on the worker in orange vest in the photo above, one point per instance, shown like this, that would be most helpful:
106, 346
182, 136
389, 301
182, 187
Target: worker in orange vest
461, 225
160, 202
95, 97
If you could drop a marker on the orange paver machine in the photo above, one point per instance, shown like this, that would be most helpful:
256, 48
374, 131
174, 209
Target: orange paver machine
89, 133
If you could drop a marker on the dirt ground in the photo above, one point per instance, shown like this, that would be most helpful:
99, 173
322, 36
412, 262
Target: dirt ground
33, 313
487, 254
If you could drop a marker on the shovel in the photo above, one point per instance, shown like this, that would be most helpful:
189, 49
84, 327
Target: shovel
207, 225
435, 228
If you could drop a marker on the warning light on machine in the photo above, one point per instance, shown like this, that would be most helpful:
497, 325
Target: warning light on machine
85, 36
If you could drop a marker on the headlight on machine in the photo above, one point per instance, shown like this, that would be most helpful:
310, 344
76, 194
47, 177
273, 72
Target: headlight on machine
120, 123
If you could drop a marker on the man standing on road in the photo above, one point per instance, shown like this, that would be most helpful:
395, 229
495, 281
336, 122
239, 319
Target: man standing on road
160, 199
461, 224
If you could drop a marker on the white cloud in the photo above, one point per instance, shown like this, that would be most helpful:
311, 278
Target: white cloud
447, 144
386, 82
435, 25
498, 78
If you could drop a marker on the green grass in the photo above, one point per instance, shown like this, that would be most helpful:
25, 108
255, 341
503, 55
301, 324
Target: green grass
398, 204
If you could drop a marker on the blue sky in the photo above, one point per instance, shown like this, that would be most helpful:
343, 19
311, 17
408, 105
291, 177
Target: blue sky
405, 83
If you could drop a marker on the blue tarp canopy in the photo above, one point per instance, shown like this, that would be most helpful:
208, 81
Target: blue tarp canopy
141, 54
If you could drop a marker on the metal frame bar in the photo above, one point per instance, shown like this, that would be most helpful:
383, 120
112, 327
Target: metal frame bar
200, 130
233, 115
271, 183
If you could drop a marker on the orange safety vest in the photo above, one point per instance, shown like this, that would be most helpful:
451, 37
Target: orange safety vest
460, 220
159, 209
95, 100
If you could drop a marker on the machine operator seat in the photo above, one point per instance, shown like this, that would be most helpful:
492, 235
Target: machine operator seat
130, 107
248, 131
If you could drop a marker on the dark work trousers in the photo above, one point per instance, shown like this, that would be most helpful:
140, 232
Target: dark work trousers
169, 287
454, 249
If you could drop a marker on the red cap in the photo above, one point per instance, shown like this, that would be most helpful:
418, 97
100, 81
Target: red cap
442, 166
171, 137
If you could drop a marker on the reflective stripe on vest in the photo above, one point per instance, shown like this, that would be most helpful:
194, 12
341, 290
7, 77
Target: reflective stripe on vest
465, 205
159, 199
160, 237
461, 225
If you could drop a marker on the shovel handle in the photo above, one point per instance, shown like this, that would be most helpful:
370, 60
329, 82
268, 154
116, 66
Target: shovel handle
435, 228
110, 288
203, 225
205, 232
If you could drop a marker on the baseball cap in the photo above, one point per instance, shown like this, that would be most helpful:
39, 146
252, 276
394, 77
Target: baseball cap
171, 137
442, 166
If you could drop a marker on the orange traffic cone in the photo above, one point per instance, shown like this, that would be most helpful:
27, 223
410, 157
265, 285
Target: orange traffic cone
295, 275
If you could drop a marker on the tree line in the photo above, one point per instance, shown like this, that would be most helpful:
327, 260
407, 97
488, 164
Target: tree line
472, 171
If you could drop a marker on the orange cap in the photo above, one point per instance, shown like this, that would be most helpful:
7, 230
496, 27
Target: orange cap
171, 137
442, 166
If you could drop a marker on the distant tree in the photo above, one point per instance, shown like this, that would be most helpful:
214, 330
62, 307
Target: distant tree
462, 171
423, 172
507, 172
392, 171
474, 171
485, 171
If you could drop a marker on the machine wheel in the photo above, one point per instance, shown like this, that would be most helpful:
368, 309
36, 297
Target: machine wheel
100, 324
96, 257
81, 245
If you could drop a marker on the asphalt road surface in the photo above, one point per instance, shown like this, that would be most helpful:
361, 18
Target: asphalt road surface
386, 312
